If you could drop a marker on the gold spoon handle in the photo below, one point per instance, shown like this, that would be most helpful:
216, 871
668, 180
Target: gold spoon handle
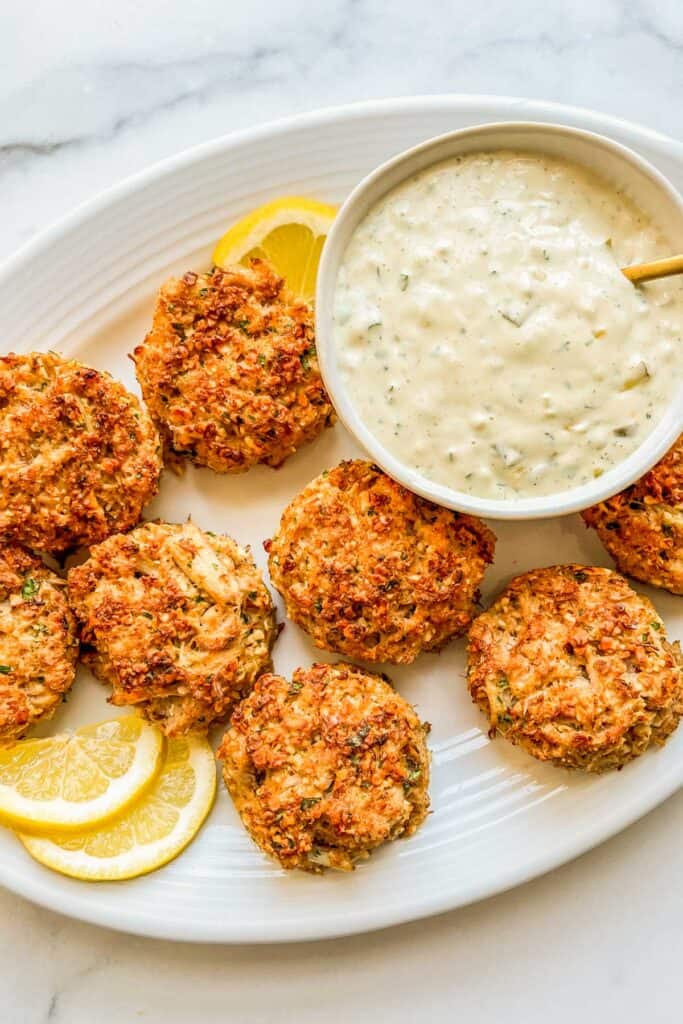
639, 272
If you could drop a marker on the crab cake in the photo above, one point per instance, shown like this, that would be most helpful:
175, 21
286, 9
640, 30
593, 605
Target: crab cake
371, 571
230, 371
642, 528
79, 456
38, 643
574, 666
178, 621
327, 767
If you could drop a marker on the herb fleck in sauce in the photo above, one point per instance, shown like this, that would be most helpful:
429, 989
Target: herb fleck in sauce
486, 334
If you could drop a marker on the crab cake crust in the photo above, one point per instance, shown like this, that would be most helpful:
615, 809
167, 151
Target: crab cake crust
371, 571
230, 371
79, 456
327, 767
178, 622
642, 528
574, 666
38, 643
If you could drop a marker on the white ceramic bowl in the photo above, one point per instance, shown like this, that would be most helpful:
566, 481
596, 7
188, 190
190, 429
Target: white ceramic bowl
646, 186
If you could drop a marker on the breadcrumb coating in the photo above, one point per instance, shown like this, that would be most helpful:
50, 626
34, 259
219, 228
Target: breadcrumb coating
229, 369
38, 642
642, 527
574, 666
327, 767
178, 622
79, 455
372, 571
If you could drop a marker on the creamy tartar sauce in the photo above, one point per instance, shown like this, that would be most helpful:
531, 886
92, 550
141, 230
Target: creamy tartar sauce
486, 335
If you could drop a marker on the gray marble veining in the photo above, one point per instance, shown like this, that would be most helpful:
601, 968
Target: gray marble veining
93, 91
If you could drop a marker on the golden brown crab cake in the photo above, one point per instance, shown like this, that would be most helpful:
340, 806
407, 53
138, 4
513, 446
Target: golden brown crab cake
372, 571
179, 622
574, 666
79, 455
229, 369
642, 527
38, 642
327, 767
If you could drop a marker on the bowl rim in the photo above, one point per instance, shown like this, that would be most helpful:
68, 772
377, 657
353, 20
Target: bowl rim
351, 212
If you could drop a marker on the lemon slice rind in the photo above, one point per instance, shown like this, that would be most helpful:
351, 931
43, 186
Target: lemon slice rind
67, 855
93, 748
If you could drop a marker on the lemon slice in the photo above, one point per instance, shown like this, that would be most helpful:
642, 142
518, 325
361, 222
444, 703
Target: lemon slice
150, 833
76, 781
289, 232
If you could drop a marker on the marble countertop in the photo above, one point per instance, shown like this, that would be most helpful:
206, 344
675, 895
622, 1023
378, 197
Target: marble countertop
91, 92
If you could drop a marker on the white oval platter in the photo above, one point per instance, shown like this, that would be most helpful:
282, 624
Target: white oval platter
86, 288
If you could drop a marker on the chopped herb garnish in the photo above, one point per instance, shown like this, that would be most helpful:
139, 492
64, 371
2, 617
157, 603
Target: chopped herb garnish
309, 801
356, 740
306, 357
414, 774
403, 282
29, 588
295, 687
5, 670
389, 585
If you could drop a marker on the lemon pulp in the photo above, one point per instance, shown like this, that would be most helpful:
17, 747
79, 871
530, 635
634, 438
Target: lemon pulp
288, 232
73, 781
150, 833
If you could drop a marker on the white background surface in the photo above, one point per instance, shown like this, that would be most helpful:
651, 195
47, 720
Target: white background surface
90, 92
